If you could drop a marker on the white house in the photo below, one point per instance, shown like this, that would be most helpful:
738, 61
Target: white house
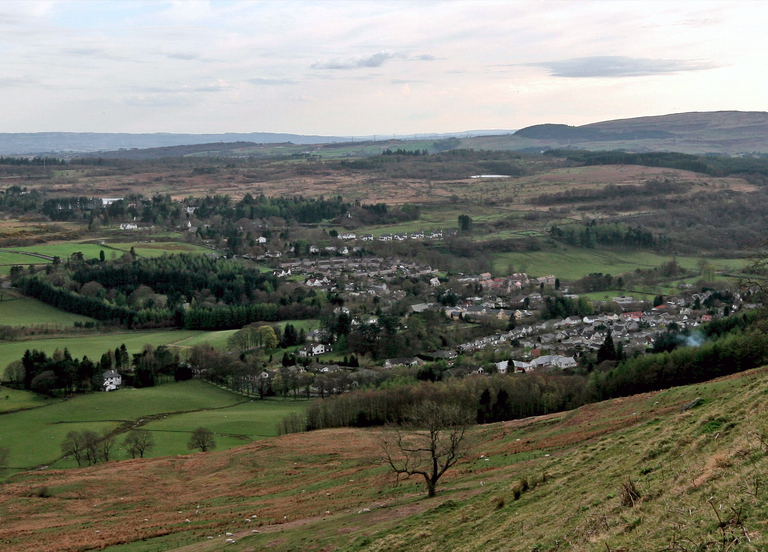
112, 380
314, 349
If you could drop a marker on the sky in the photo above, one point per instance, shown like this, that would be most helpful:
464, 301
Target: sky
362, 67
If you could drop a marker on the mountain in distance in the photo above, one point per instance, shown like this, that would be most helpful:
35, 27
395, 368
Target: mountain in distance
91, 142
726, 132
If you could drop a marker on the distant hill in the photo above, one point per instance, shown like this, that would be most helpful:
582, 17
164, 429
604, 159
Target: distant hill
728, 132
86, 142
90, 142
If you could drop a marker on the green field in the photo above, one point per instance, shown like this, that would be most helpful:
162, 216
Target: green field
24, 311
94, 345
571, 263
233, 426
11, 258
157, 249
34, 436
15, 399
65, 250
12, 255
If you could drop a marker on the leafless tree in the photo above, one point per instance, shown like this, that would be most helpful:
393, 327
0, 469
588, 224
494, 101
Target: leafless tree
138, 441
202, 439
431, 440
4, 454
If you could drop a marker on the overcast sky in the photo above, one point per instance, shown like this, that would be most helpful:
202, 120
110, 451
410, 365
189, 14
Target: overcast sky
365, 67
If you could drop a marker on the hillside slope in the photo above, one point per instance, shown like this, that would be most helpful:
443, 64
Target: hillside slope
728, 132
557, 482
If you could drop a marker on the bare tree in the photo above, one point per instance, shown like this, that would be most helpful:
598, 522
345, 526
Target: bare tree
4, 455
87, 447
202, 439
431, 440
73, 446
138, 441
104, 446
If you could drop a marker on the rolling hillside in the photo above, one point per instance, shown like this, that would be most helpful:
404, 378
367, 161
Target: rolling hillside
727, 132
640, 473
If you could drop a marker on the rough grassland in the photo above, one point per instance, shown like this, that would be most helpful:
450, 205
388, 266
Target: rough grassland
698, 474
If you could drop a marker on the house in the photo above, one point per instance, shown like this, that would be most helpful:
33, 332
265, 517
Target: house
367, 237
434, 282
408, 361
112, 380
318, 282
385, 237
521, 366
348, 236
129, 226
314, 350
261, 239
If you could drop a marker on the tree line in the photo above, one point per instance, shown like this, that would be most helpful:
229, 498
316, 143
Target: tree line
592, 234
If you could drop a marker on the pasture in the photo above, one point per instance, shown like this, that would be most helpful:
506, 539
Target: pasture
570, 263
17, 310
94, 345
173, 411
157, 249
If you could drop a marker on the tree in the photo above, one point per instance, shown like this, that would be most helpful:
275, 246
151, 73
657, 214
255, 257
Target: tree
4, 455
202, 439
86, 447
607, 350
431, 439
138, 441
465, 223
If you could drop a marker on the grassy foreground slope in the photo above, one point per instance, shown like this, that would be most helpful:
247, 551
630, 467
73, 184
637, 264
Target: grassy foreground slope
700, 476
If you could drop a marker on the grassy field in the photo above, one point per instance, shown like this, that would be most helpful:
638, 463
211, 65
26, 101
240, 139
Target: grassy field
17, 310
94, 345
11, 258
34, 436
233, 426
14, 399
157, 249
572, 263
526, 484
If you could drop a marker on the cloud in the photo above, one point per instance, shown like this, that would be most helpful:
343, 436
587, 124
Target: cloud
619, 66
184, 57
266, 81
358, 62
